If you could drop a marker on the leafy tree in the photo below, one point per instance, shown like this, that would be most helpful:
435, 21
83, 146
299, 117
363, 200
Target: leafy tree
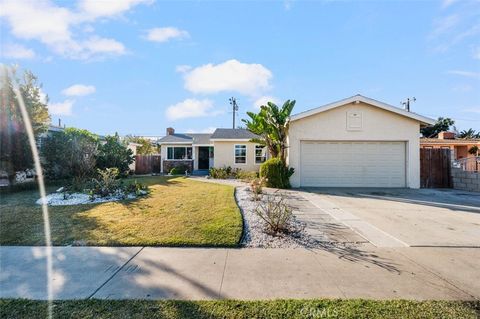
442, 124
473, 150
15, 153
146, 147
70, 154
271, 123
113, 153
469, 134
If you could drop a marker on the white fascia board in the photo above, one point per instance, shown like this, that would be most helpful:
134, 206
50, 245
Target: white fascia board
366, 100
230, 139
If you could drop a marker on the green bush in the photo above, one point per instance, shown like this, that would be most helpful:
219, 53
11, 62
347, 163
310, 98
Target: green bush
276, 173
113, 153
179, 170
225, 172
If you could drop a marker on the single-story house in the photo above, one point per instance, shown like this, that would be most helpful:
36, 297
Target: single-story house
354, 142
460, 147
199, 151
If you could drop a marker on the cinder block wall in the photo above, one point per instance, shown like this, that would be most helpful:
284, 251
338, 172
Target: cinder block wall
467, 181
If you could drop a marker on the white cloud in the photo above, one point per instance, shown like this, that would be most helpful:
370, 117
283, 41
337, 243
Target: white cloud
182, 68
17, 51
43, 96
106, 8
287, 4
263, 101
190, 108
231, 75
445, 24
63, 30
61, 108
166, 34
468, 74
447, 3
79, 90
459, 25
104, 45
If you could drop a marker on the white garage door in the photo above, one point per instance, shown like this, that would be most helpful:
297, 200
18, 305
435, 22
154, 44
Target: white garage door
353, 164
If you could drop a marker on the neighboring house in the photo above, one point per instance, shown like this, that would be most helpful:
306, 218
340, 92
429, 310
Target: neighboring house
460, 147
133, 147
224, 147
52, 129
356, 142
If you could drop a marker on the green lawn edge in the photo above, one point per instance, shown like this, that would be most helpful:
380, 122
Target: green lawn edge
217, 220
315, 308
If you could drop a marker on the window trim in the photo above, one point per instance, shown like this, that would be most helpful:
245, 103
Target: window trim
235, 154
173, 153
262, 148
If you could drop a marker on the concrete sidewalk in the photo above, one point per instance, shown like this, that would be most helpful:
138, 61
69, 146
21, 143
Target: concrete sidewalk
195, 273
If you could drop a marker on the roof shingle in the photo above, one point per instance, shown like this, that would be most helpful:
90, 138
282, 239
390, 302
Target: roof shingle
233, 134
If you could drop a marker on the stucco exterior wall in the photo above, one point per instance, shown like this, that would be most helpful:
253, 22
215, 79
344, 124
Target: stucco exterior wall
224, 155
377, 125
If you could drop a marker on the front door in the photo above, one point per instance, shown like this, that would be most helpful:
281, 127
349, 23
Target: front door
203, 158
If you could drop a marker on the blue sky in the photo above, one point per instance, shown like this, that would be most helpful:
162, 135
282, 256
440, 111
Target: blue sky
138, 66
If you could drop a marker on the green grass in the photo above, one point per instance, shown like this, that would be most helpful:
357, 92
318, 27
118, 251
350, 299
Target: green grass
177, 212
19, 308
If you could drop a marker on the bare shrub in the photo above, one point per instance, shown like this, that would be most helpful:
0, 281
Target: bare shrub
276, 214
256, 187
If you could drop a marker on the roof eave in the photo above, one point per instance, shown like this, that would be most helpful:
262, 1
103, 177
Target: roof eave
424, 121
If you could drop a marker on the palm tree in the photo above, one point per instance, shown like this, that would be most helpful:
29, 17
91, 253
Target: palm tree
271, 124
469, 134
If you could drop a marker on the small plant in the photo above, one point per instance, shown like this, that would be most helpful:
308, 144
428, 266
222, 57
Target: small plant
135, 188
276, 214
247, 176
179, 170
225, 172
256, 186
106, 184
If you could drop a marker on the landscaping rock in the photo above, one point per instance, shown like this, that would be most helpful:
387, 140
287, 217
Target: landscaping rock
254, 227
58, 199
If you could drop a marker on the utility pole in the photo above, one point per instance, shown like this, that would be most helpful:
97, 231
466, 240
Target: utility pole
233, 103
406, 103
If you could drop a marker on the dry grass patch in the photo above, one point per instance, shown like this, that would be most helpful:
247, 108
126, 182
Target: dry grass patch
177, 212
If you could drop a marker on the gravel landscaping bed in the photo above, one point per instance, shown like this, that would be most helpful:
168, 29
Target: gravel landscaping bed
58, 199
254, 235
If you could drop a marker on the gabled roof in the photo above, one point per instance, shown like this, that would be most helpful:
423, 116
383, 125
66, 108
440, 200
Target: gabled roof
360, 98
232, 134
186, 138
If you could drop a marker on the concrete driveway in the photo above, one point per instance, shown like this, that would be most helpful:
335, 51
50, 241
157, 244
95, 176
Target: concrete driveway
405, 217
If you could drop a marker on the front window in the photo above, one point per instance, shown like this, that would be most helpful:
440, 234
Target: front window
240, 154
260, 154
179, 153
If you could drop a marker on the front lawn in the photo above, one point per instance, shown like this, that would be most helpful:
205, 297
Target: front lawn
101, 309
178, 211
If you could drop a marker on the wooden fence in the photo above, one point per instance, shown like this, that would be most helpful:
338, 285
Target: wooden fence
147, 164
435, 168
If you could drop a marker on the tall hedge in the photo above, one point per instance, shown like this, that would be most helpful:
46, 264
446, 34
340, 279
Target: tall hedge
277, 174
